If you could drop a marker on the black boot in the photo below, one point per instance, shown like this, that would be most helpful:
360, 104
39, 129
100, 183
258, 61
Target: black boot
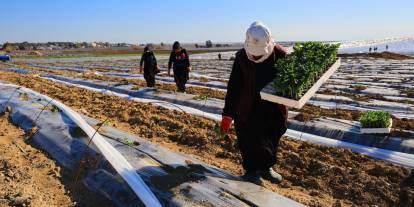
253, 177
271, 175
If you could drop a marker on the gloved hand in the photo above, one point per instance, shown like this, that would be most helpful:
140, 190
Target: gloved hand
225, 124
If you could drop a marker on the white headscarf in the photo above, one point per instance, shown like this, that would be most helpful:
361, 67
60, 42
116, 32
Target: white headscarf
259, 42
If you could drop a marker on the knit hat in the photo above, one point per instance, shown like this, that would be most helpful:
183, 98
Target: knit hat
259, 42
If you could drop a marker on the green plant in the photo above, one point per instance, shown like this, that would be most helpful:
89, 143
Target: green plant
375, 119
201, 97
218, 133
104, 123
128, 142
55, 109
135, 88
300, 70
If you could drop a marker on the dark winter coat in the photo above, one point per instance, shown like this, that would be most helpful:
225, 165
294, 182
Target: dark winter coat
246, 81
149, 61
179, 61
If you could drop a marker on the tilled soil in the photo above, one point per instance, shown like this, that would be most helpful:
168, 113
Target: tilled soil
382, 55
27, 176
308, 113
314, 175
199, 91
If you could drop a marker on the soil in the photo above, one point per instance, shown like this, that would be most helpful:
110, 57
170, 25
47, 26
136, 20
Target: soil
314, 175
27, 176
138, 83
383, 55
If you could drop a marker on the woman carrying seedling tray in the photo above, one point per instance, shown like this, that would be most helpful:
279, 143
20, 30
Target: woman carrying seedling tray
259, 124
150, 66
181, 66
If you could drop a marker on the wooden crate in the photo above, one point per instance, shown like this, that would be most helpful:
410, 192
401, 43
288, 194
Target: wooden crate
268, 92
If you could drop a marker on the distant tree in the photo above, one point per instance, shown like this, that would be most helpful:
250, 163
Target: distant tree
196, 45
6, 45
209, 44
162, 44
78, 45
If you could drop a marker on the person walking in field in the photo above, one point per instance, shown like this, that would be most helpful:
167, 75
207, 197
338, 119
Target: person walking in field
259, 124
180, 62
150, 66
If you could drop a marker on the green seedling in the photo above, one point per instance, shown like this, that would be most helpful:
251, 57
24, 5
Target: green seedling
218, 133
375, 119
128, 142
301, 69
104, 123
201, 98
55, 109
135, 88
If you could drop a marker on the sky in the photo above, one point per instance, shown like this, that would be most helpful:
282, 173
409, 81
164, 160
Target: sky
155, 21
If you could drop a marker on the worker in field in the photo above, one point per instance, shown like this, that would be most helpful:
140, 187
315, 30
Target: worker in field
259, 124
180, 62
219, 56
150, 66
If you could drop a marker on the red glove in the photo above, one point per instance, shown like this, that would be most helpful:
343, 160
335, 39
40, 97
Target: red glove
225, 124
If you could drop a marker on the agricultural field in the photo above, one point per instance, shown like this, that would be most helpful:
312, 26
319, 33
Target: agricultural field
354, 171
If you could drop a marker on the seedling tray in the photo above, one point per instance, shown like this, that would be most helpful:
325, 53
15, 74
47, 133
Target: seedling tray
376, 130
268, 92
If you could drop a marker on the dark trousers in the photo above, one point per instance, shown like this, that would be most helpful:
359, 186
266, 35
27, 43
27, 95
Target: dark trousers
259, 135
149, 76
180, 78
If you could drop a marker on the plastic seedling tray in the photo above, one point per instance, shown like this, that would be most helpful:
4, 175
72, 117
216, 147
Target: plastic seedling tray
268, 92
376, 130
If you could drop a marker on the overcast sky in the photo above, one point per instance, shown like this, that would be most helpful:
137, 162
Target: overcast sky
142, 21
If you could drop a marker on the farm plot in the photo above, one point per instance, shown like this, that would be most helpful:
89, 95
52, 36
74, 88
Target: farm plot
171, 129
29, 177
349, 101
176, 179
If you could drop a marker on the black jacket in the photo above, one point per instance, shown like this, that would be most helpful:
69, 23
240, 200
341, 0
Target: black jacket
180, 60
149, 60
247, 79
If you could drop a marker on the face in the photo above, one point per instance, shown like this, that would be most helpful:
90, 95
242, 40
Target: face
178, 50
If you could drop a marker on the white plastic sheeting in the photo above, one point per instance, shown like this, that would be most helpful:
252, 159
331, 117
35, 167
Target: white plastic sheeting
164, 104
399, 158
118, 162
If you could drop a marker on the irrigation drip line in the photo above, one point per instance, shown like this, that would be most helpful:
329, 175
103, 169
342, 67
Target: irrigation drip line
97, 129
41, 111
132, 146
